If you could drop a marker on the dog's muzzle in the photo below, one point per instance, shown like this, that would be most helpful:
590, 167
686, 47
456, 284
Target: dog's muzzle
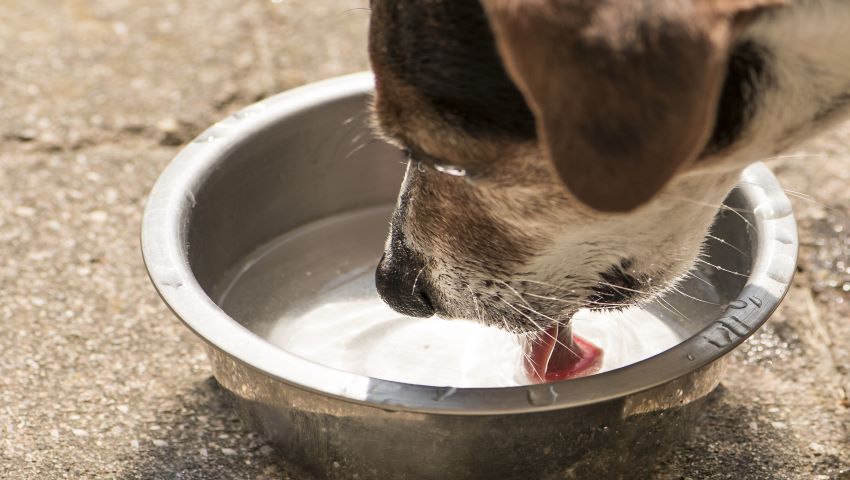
402, 282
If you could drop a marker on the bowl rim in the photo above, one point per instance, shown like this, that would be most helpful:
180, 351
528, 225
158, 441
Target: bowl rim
164, 244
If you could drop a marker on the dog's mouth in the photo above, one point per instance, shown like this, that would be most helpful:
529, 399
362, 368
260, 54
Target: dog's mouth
556, 354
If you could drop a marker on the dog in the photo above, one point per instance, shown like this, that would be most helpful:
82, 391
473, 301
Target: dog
568, 154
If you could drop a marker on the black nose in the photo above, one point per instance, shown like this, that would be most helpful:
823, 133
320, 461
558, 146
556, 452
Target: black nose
401, 281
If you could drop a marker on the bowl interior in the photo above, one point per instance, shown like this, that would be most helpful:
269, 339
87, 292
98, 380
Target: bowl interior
294, 217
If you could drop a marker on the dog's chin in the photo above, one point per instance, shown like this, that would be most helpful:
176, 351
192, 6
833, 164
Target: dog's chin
523, 317
525, 305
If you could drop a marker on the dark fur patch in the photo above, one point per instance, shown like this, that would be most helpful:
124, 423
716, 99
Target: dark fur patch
747, 75
446, 51
620, 286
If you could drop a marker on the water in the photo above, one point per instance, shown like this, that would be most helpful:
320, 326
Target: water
311, 292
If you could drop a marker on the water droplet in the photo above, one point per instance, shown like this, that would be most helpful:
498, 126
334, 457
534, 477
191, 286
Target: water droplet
191, 198
541, 395
249, 111
205, 138
690, 357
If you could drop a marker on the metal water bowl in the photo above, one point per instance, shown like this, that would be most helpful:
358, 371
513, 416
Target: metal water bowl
304, 155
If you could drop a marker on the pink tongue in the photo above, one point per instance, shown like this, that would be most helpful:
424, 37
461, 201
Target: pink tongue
559, 355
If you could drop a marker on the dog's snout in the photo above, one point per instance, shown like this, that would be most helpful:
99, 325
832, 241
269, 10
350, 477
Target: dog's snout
401, 282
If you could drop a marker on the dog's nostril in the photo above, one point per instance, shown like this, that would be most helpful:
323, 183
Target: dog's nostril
426, 300
403, 285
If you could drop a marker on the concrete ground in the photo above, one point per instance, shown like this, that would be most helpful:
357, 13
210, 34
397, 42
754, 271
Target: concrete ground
99, 380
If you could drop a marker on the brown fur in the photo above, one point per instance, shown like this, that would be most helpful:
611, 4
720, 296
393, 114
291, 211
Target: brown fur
625, 92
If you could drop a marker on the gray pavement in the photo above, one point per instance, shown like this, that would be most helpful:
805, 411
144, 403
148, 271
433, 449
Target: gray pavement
98, 380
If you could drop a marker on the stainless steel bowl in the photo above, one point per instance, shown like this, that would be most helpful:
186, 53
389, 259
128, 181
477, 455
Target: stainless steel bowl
303, 155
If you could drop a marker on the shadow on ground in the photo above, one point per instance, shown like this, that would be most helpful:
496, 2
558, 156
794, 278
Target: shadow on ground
741, 442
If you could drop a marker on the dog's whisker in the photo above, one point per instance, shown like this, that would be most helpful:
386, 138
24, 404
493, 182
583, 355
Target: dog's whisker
610, 304
543, 315
349, 120
678, 312
724, 242
357, 138
512, 289
670, 308
475, 303
544, 284
578, 303
718, 267
527, 356
793, 193
530, 361
360, 147
796, 155
528, 305
542, 330
555, 299
693, 274
357, 9
571, 292
532, 337
803, 196
620, 287
736, 212
415, 281
574, 303
703, 204
682, 293
520, 296
583, 304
